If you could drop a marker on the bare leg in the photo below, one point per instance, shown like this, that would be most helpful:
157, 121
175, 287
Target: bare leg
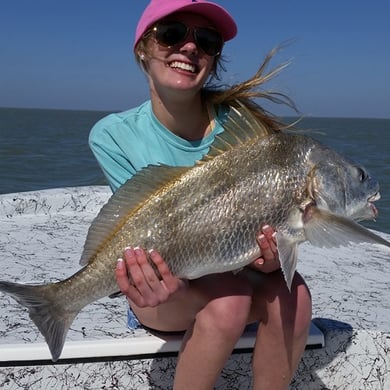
210, 340
214, 310
282, 334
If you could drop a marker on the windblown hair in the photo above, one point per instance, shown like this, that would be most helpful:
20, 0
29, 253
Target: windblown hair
243, 93
246, 92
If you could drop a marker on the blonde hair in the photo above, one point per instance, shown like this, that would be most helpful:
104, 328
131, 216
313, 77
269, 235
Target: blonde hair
247, 92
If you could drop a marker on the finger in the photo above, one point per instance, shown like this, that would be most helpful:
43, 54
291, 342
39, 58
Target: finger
169, 281
121, 274
136, 263
270, 235
151, 287
268, 262
266, 251
124, 284
266, 267
150, 275
268, 232
142, 272
147, 287
272, 245
134, 270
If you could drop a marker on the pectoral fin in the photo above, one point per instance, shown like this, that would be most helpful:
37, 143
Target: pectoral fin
324, 229
288, 255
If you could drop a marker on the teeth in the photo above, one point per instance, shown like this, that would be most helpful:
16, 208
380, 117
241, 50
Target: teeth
375, 197
374, 210
184, 66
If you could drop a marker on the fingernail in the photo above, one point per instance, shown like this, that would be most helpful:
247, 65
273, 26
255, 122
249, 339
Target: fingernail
260, 261
138, 250
267, 229
120, 262
273, 234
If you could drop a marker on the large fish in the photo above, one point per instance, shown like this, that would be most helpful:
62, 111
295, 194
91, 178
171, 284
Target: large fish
204, 219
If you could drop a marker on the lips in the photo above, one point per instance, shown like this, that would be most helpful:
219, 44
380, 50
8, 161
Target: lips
372, 199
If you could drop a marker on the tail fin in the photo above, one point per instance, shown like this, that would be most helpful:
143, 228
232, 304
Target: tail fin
52, 320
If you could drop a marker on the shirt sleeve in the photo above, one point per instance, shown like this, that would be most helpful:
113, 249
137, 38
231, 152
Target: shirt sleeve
107, 151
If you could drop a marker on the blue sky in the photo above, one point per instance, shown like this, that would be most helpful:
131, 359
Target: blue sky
76, 54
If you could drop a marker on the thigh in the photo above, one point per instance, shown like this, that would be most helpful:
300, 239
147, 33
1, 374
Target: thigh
179, 312
271, 295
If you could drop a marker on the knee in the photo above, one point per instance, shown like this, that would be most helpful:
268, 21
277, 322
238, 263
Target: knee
227, 315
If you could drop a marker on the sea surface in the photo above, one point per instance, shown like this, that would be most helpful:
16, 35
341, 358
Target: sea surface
42, 149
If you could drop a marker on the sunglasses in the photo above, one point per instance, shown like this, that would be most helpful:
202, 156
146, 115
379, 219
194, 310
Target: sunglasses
170, 33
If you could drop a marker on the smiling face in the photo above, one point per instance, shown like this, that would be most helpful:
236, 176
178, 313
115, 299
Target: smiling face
183, 67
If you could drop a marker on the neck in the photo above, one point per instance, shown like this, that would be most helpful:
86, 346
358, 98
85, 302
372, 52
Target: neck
187, 118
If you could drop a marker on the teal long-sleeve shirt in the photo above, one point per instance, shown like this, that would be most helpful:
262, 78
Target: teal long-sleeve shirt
125, 142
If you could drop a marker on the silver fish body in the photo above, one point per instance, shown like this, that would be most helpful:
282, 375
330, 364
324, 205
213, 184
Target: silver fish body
204, 219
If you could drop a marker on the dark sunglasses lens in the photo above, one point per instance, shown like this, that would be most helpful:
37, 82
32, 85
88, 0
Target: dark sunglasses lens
170, 33
209, 41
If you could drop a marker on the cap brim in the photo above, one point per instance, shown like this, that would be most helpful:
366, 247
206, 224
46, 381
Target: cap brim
216, 14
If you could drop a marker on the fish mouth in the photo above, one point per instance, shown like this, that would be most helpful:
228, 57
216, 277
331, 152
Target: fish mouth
371, 201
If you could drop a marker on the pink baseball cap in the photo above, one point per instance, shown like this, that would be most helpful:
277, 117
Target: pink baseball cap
158, 9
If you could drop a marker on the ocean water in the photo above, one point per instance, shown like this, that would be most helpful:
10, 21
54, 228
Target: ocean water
42, 149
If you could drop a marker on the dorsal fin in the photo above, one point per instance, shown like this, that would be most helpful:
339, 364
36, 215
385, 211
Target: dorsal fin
125, 201
241, 127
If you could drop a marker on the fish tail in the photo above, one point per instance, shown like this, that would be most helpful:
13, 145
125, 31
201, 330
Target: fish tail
52, 320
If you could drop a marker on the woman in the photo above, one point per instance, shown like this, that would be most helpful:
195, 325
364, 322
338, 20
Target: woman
178, 45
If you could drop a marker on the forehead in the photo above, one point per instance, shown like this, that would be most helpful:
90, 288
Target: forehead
189, 18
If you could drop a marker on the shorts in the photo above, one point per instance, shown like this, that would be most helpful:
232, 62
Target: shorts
132, 320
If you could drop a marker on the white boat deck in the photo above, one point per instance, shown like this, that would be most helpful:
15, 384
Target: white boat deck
41, 238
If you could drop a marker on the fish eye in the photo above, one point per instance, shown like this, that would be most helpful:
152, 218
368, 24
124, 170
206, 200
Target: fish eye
362, 174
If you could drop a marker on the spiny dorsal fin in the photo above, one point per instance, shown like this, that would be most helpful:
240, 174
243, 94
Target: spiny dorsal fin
241, 127
125, 201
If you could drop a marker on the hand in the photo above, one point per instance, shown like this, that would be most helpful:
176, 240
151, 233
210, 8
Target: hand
269, 260
139, 282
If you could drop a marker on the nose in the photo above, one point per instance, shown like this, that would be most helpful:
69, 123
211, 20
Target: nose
189, 45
